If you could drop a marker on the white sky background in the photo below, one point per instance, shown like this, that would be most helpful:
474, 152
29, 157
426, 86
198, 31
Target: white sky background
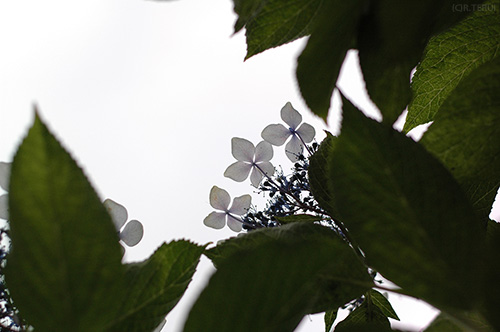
147, 96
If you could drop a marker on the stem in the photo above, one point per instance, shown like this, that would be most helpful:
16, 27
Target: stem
304, 143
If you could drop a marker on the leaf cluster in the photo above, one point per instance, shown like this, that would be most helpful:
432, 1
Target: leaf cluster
415, 212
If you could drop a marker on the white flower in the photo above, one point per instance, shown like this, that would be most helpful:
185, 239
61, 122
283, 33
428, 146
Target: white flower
277, 134
4, 184
132, 233
250, 158
219, 200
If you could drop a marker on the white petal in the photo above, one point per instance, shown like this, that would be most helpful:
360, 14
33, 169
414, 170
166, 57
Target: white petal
238, 171
241, 205
267, 168
117, 212
242, 149
256, 177
291, 116
293, 149
132, 233
234, 224
263, 152
4, 206
4, 175
215, 220
219, 198
276, 134
159, 327
306, 132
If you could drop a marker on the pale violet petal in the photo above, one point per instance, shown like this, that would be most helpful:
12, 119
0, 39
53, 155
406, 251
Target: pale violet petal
242, 149
215, 220
4, 175
256, 177
306, 132
117, 212
159, 327
4, 206
234, 224
219, 198
132, 233
293, 149
291, 116
263, 152
238, 171
276, 134
267, 168
241, 205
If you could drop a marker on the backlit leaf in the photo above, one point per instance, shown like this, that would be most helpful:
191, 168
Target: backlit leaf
64, 271
450, 57
406, 211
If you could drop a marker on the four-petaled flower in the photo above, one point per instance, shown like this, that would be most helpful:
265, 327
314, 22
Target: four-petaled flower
132, 233
250, 158
219, 200
277, 134
4, 184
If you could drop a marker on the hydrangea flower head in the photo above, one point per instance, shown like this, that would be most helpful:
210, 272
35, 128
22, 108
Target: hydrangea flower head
132, 233
4, 184
277, 134
250, 158
219, 200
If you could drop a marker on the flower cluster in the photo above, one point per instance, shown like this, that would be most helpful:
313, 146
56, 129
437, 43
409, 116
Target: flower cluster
288, 194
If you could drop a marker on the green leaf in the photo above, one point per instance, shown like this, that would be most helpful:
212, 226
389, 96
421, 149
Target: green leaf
330, 316
406, 212
290, 233
318, 172
383, 304
369, 316
273, 23
465, 136
156, 285
297, 218
273, 283
64, 271
246, 11
319, 64
392, 36
442, 324
449, 58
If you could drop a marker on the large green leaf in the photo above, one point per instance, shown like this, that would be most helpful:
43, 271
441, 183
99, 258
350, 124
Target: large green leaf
319, 64
392, 36
64, 271
465, 135
371, 316
407, 213
269, 284
272, 23
452, 56
156, 285
318, 177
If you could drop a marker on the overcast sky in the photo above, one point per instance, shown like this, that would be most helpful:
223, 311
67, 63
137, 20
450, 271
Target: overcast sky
147, 96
